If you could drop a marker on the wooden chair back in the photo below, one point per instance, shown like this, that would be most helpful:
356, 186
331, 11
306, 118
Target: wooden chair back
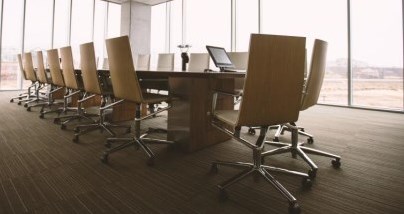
165, 62
22, 71
125, 83
41, 73
274, 80
29, 67
89, 68
239, 60
316, 76
143, 62
68, 67
54, 67
198, 61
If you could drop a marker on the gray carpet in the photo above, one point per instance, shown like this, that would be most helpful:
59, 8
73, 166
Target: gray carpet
42, 171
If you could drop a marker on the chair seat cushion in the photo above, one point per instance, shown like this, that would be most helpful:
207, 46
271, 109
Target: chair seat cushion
227, 116
155, 98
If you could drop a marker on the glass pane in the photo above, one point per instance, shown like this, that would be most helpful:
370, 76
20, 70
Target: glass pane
114, 20
100, 17
82, 26
246, 22
158, 33
176, 31
61, 25
315, 19
38, 25
10, 75
377, 53
208, 23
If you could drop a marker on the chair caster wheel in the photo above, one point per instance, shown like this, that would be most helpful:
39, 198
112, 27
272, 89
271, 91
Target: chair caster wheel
336, 163
11, 101
104, 158
29, 109
76, 139
214, 169
223, 196
294, 208
276, 139
150, 161
310, 140
41, 116
251, 131
63, 126
19, 103
25, 105
312, 174
128, 130
76, 130
307, 183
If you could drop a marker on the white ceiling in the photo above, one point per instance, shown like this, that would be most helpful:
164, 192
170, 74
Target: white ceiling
148, 2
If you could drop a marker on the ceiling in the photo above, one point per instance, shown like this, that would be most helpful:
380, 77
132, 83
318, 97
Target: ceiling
148, 2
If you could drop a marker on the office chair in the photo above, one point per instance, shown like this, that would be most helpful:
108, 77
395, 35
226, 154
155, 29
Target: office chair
142, 62
268, 99
57, 81
92, 87
74, 88
240, 62
198, 61
45, 81
165, 62
309, 98
31, 75
126, 87
26, 96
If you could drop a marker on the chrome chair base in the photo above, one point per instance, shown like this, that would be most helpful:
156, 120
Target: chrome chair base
282, 128
298, 149
139, 140
257, 168
103, 126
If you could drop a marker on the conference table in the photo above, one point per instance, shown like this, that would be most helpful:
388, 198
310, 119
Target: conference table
189, 118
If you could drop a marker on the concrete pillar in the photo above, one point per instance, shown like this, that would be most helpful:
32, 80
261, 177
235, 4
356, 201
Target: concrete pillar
136, 23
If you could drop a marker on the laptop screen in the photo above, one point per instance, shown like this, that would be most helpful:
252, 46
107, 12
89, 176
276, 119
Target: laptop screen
220, 57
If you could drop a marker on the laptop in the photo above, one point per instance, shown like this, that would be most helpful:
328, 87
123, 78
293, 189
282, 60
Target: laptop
220, 58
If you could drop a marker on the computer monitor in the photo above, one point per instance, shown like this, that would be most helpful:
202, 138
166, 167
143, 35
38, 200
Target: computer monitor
220, 57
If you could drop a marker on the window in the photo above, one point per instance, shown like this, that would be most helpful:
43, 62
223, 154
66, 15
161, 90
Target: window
100, 19
176, 31
246, 22
208, 23
61, 31
315, 19
38, 25
82, 26
377, 53
114, 20
11, 44
158, 32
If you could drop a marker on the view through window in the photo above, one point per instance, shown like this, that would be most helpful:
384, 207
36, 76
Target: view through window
377, 53
11, 44
315, 19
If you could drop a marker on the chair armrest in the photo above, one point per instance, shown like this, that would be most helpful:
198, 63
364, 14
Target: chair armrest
226, 93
